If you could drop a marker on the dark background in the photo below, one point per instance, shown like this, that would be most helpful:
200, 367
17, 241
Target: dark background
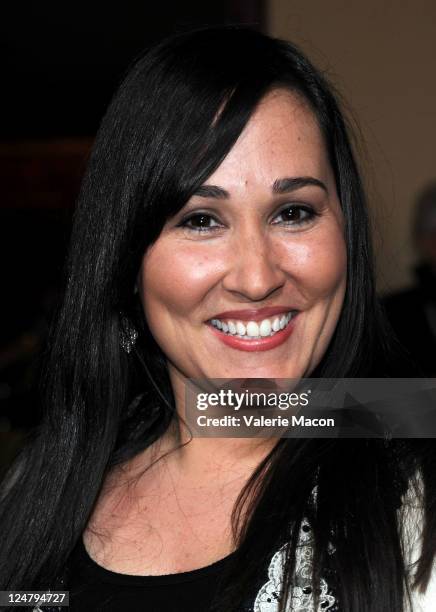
62, 61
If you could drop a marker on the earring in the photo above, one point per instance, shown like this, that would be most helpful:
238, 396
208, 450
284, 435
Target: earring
128, 334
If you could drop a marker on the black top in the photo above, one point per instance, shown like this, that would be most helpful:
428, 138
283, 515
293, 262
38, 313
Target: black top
94, 588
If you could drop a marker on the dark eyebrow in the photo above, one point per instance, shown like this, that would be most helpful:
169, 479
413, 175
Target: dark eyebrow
282, 185
211, 191
286, 185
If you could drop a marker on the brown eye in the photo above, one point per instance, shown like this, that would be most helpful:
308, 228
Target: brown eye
200, 222
295, 215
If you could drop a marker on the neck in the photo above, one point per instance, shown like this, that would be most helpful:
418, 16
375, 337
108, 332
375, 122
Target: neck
210, 456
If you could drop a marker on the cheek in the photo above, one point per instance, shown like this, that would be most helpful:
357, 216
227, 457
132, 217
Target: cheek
176, 277
317, 264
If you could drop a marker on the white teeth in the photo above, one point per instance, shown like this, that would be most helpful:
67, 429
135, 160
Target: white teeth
240, 328
265, 327
252, 329
232, 328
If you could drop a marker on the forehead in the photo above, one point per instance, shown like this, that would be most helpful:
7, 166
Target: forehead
282, 138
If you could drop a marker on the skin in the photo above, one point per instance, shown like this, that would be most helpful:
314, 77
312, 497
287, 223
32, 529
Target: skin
251, 259
176, 517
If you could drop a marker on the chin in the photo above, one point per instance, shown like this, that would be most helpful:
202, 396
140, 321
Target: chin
269, 372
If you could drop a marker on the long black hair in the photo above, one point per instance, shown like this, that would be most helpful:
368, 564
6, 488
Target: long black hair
174, 118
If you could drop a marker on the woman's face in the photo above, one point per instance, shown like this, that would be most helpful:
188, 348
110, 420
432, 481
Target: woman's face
248, 279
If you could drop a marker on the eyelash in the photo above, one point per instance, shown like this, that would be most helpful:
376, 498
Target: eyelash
306, 209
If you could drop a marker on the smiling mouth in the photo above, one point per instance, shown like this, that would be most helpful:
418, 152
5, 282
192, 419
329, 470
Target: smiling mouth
254, 330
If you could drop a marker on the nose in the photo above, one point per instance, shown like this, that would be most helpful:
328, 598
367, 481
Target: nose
254, 271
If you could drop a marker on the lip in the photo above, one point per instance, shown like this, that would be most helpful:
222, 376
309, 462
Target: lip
263, 344
253, 314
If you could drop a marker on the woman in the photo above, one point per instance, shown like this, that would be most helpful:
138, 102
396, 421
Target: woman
222, 190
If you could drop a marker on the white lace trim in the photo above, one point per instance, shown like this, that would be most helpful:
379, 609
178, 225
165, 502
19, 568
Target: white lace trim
301, 596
